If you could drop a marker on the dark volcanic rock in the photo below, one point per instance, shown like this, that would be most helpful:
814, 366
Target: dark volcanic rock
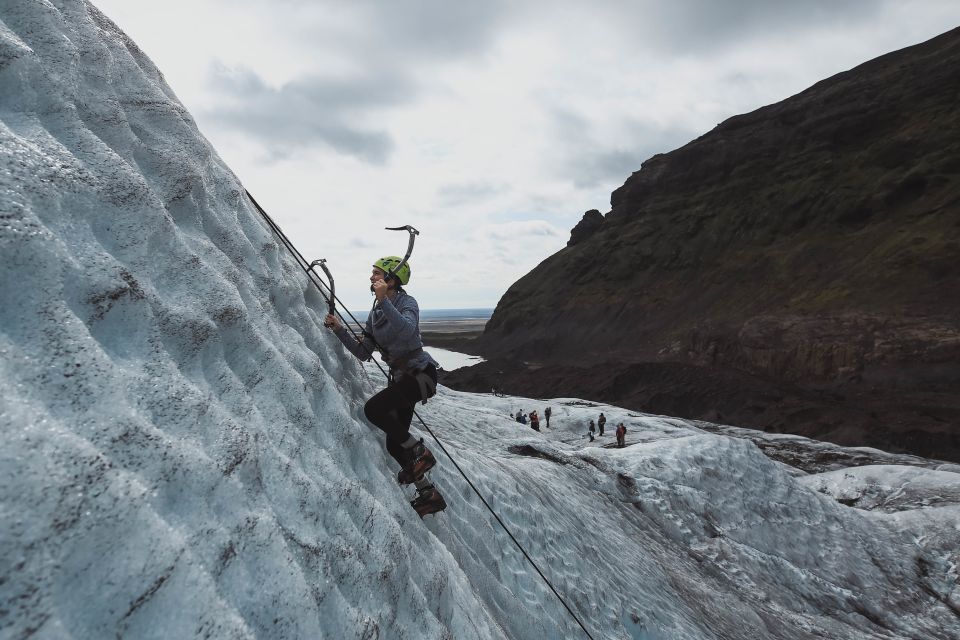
800, 265
589, 224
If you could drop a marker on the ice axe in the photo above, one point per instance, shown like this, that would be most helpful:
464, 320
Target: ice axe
322, 263
413, 236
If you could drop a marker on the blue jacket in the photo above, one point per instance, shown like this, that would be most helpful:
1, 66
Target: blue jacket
395, 325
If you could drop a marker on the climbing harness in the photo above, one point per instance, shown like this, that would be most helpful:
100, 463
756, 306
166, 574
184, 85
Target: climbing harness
308, 268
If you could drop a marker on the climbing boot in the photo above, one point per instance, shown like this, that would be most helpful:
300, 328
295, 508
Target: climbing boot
420, 461
428, 501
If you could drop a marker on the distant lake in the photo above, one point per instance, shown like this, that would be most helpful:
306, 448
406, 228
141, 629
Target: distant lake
451, 360
452, 321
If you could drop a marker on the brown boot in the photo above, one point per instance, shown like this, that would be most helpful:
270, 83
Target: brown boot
421, 460
428, 501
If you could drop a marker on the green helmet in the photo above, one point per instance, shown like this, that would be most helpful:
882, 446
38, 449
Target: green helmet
391, 262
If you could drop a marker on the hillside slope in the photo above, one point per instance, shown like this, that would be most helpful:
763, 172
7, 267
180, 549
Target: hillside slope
795, 269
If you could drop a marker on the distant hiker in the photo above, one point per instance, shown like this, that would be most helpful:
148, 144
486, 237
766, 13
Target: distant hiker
523, 418
519, 417
394, 323
592, 429
602, 420
534, 420
546, 414
621, 435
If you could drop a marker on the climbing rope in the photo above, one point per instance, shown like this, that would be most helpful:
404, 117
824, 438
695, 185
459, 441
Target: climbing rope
317, 281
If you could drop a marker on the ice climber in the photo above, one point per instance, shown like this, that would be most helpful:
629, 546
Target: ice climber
394, 326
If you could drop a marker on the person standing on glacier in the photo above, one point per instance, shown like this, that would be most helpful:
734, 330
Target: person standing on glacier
534, 420
393, 326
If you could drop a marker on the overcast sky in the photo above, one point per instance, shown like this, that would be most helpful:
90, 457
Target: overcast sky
489, 126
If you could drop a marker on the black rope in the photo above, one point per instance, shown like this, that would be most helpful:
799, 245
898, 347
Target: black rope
315, 279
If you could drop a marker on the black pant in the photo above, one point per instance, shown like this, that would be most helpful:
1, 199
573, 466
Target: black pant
392, 410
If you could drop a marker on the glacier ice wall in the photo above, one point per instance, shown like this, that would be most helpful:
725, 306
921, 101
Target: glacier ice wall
182, 452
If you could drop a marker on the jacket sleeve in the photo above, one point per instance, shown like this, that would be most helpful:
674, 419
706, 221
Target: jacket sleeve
362, 348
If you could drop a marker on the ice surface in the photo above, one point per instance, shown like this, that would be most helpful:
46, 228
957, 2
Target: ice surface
889, 488
185, 455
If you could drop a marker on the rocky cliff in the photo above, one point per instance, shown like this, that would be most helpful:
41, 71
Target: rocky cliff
794, 269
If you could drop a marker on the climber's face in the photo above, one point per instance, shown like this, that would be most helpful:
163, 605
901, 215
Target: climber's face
376, 276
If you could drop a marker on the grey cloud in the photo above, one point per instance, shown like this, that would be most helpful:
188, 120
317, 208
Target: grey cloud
595, 165
547, 204
310, 111
507, 254
452, 195
437, 27
705, 25
395, 30
522, 229
590, 163
431, 28
567, 123
594, 168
